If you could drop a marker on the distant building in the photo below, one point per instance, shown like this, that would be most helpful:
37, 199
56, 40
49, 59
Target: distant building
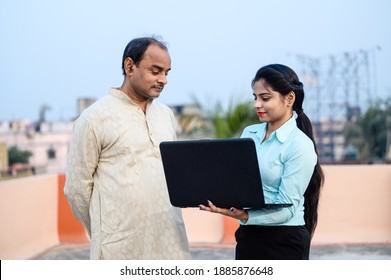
84, 103
3, 156
330, 140
4, 126
49, 147
191, 123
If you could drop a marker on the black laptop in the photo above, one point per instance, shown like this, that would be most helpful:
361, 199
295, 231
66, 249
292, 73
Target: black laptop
224, 171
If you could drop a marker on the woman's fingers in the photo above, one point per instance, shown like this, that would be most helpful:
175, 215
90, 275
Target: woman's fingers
205, 208
232, 212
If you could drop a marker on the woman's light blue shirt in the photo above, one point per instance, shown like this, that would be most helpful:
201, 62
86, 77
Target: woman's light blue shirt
286, 162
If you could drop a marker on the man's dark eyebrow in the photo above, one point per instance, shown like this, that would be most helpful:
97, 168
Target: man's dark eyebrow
160, 68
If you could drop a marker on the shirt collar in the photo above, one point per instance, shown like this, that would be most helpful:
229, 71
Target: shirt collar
121, 95
281, 133
286, 129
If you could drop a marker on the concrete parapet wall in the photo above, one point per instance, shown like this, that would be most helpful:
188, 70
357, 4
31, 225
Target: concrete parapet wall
35, 216
355, 207
28, 216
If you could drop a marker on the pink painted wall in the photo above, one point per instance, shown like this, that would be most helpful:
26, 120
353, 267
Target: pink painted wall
28, 216
355, 207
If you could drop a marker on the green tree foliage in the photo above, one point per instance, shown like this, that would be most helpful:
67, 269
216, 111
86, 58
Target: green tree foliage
369, 133
18, 156
229, 122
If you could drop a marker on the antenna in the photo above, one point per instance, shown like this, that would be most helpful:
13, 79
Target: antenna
338, 88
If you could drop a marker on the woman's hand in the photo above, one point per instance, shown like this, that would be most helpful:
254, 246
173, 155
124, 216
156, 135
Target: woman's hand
232, 212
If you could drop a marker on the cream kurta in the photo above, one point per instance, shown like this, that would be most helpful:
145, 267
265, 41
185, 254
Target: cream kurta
115, 181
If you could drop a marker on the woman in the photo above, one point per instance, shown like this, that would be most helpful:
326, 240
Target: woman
289, 168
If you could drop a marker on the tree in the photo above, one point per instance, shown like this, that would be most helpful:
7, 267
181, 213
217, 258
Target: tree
369, 134
18, 156
229, 122
374, 130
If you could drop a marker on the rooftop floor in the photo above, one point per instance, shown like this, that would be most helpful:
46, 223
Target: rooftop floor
227, 252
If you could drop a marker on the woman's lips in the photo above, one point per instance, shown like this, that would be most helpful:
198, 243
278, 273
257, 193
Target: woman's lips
260, 114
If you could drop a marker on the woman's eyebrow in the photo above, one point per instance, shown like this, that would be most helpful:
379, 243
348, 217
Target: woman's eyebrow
261, 94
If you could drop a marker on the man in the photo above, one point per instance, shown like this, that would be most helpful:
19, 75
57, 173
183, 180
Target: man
115, 181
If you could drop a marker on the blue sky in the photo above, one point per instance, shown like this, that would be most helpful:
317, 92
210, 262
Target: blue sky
53, 52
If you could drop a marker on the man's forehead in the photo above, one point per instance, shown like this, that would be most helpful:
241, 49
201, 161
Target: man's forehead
156, 51
157, 56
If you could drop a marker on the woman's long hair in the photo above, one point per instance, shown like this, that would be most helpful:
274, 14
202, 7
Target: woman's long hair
283, 79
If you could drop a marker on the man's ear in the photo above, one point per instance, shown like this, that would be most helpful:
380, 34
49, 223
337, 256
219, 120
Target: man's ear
128, 65
290, 98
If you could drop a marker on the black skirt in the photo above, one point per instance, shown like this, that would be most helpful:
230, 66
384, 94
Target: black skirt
272, 243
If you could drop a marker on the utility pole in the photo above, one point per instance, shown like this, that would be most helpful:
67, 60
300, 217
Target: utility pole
42, 116
339, 87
